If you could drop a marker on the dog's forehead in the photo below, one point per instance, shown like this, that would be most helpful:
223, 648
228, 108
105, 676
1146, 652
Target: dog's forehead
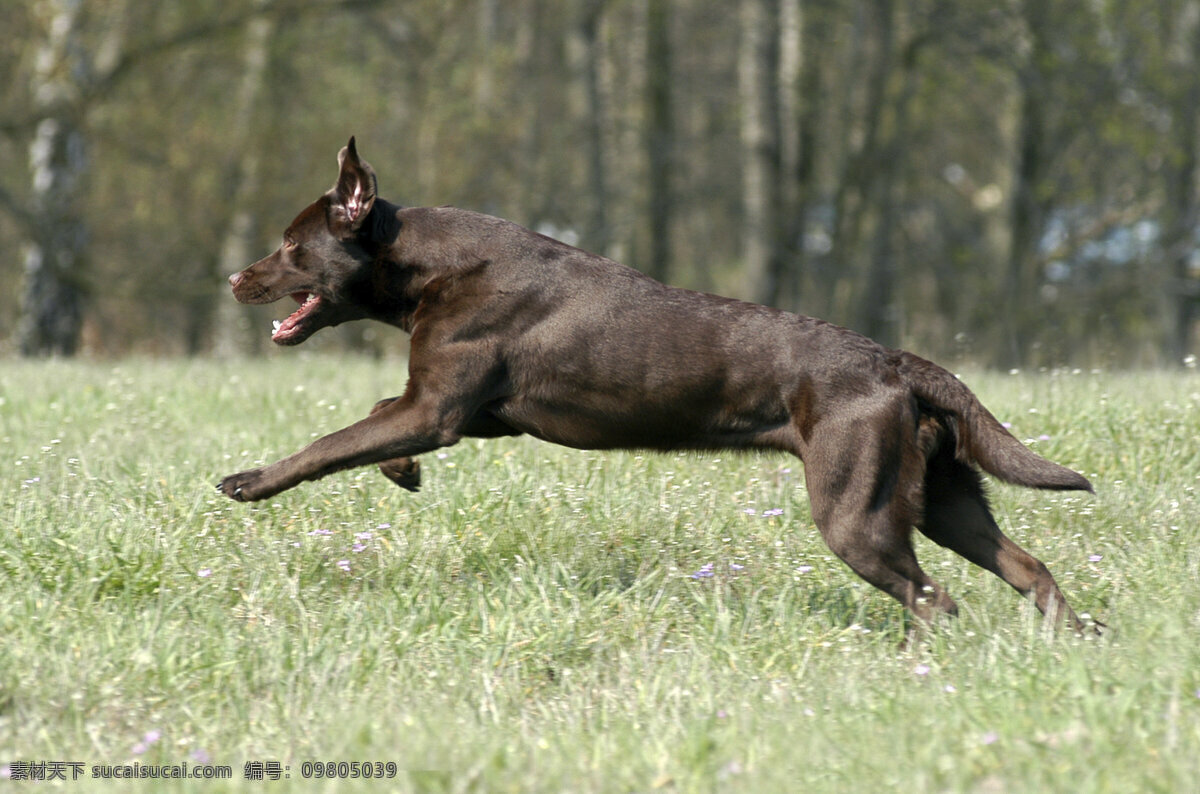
311, 218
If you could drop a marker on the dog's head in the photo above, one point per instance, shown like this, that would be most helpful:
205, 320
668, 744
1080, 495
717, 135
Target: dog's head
322, 259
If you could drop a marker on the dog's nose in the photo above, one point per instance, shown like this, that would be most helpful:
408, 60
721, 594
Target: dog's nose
236, 279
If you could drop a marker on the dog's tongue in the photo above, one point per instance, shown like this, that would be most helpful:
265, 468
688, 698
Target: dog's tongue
282, 330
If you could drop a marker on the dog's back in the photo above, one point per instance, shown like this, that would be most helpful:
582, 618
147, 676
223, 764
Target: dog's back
627, 361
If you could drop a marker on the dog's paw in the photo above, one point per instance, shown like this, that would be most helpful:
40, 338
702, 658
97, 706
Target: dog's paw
246, 486
405, 472
1090, 627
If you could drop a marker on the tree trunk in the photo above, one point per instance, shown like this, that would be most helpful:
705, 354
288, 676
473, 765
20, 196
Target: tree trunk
1025, 229
52, 301
539, 63
857, 176
880, 315
809, 107
758, 83
659, 131
795, 144
232, 333
1183, 207
599, 233
1027, 220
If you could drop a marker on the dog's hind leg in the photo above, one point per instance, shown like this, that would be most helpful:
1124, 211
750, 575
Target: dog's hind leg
957, 516
878, 547
405, 472
864, 483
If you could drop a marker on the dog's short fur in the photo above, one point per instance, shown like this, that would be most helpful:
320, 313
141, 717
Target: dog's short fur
513, 332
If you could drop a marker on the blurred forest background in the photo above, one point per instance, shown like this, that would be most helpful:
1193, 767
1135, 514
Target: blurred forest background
1009, 183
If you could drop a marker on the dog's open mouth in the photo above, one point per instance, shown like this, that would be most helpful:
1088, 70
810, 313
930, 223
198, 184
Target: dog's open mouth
292, 330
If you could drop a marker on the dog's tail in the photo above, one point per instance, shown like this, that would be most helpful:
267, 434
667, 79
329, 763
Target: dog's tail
980, 438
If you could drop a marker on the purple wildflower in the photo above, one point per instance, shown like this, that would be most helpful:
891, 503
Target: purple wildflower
147, 741
733, 566
344, 565
321, 532
804, 569
204, 573
705, 572
921, 669
774, 511
1095, 557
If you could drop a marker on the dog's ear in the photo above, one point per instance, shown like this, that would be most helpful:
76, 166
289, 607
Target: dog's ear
354, 194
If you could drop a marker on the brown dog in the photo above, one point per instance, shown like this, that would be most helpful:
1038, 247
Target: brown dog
513, 332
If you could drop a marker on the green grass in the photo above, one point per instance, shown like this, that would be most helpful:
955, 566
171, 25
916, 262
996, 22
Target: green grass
529, 620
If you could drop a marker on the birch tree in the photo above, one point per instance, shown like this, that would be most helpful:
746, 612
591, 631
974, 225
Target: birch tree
55, 259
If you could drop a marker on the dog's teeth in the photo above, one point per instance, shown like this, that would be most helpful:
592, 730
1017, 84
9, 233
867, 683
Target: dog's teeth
312, 296
275, 326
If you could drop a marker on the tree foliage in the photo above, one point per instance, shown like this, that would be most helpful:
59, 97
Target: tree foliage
1015, 183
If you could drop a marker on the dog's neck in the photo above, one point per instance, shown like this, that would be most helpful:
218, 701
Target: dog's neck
381, 227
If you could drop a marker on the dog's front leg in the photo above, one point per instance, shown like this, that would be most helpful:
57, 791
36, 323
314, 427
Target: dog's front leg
405, 472
398, 429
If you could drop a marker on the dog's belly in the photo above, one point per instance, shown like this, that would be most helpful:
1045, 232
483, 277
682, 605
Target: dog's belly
591, 421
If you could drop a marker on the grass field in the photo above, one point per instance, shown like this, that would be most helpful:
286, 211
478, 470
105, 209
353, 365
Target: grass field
541, 619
